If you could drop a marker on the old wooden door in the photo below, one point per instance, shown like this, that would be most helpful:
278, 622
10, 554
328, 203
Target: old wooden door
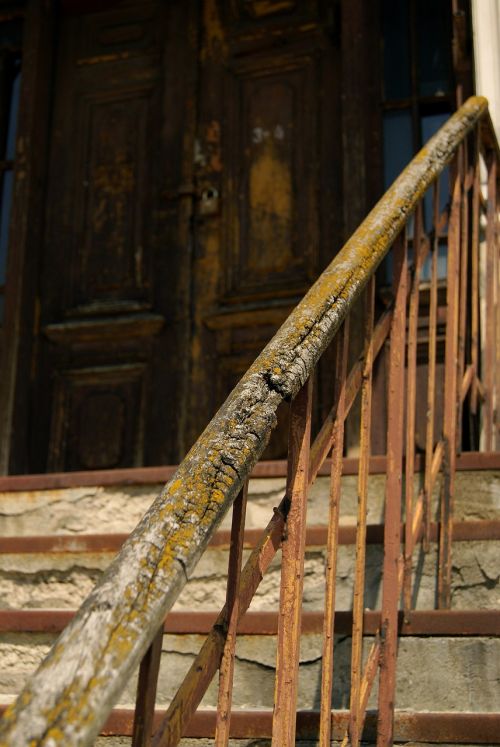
109, 371
191, 199
267, 175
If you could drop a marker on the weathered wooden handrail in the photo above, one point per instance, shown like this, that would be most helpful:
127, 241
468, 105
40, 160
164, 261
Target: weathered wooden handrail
69, 697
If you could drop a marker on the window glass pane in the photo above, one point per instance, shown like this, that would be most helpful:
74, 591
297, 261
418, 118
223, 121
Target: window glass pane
398, 143
11, 33
429, 125
5, 206
10, 87
398, 151
10, 148
434, 52
442, 265
395, 30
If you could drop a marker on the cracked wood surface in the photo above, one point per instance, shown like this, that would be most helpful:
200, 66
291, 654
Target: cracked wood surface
69, 697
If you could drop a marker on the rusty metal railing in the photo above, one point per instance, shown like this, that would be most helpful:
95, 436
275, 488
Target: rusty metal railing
121, 623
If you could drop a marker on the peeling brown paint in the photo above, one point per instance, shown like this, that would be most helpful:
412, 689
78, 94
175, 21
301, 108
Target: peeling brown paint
214, 43
213, 146
270, 201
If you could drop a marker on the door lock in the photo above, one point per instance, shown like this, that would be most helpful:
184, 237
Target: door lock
209, 201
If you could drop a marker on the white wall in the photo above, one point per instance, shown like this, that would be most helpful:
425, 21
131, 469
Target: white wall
486, 31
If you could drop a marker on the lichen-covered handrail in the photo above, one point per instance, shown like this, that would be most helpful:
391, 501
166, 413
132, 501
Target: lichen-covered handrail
69, 697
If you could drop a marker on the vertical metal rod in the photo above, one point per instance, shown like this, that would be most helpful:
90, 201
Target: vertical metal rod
292, 571
369, 675
496, 378
364, 466
146, 693
475, 276
200, 674
431, 377
491, 281
451, 391
341, 358
411, 399
226, 673
464, 266
392, 521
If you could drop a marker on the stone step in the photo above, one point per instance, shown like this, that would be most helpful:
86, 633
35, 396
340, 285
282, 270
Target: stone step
456, 648
60, 571
449, 662
68, 504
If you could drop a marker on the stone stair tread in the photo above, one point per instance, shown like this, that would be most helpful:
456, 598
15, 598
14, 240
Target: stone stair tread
73, 552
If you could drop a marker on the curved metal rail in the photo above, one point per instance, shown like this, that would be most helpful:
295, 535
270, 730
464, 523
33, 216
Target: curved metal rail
69, 697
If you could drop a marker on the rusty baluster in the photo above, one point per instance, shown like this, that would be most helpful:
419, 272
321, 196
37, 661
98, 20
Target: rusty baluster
323, 442
431, 377
364, 466
292, 570
467, 181
451, 391
200, 674
342, 349
475, 316
223, 720
146, 693
203, 668
496, 378
392, 520
491, 281
411, 399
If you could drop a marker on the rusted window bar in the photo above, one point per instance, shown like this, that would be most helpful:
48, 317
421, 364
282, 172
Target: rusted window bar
342, 350
154, 562
392, 519
292, 569
364, 461
226, 670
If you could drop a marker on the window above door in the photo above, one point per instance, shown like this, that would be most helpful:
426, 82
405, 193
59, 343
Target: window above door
10, 86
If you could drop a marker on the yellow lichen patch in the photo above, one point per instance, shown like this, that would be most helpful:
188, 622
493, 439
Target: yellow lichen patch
55, 733
175, 486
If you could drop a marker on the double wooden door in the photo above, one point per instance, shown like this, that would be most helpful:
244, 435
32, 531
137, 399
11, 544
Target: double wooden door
191, 198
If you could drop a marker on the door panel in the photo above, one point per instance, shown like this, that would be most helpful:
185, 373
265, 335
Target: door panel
271, 239
192, 191
110, 312
268, 146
